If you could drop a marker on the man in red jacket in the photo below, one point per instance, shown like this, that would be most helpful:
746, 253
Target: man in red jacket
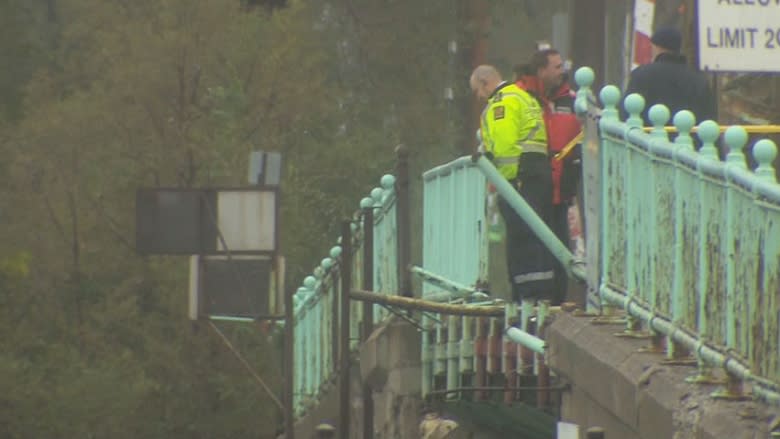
545, 78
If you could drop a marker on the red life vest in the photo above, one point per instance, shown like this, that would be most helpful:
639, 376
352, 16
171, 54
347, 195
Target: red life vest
559, 119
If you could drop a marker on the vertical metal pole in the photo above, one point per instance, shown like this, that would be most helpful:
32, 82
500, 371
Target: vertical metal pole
480, 356
368, 269
368, 313
334, 321
543, 372
510, 356
403, 220
346, 286
289, 333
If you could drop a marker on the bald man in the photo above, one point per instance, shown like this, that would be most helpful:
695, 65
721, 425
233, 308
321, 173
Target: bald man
514, 136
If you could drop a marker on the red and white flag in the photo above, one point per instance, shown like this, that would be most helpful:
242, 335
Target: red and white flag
643, 29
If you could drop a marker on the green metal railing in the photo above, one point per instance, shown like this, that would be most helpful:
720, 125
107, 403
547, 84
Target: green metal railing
317, 302
455, 244
455, 249
689, 244
385, 248
463, 355
686, 244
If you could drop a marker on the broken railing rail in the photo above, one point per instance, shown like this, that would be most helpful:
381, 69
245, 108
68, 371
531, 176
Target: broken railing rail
414, 304
573, 266
452, 290
477, 340
458, 349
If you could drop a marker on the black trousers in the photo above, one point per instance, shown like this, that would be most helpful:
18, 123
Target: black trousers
529, 263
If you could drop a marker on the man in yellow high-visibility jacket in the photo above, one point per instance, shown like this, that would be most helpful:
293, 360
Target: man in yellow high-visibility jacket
513, 133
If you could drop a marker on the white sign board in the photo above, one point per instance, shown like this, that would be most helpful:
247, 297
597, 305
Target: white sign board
568, 430
246, 220
739, 35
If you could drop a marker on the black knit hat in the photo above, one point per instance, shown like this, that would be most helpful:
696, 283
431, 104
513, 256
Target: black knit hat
668, 38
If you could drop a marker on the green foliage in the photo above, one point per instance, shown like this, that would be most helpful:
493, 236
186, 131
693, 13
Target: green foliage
118, 95
21, 41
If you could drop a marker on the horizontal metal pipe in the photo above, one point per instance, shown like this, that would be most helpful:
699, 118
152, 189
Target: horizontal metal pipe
495, 389
767, 395
447, 168
458, 290
578, 271
709, 354
751, 129
426, 305
525, 339
769, 190
231, 319
527, 213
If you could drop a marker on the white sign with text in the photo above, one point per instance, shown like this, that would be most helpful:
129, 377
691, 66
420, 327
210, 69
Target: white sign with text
567, 430
739, 35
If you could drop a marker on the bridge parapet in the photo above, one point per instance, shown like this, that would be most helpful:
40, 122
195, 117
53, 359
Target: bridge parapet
688, 244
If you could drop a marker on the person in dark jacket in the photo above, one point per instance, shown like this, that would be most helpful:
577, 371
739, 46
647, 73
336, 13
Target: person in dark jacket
668, 80
545, 79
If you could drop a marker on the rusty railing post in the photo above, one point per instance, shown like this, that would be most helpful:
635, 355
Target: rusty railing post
368, 311
289, 364
481, 353
543, 371
346, 287
403, 220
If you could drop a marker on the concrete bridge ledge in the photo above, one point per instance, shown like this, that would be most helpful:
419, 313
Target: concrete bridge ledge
632, 395
391, 356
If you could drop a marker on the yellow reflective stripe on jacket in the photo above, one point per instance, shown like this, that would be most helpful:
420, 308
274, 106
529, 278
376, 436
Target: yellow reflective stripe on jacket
534, 147
501, 161
527, 147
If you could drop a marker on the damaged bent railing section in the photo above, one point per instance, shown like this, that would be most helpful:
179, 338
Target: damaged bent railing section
496, 357
466, 356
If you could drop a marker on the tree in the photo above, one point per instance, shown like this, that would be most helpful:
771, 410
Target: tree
177, 93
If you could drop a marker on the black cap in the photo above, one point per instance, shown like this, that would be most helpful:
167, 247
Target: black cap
668, 38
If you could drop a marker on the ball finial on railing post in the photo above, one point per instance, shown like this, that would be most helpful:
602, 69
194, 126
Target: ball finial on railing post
388, 182
584, 77
335, 252
610, 96
659, 116
366, 203
376, 194
708, 133
634, 104
736, 138
684, 120
765, 152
